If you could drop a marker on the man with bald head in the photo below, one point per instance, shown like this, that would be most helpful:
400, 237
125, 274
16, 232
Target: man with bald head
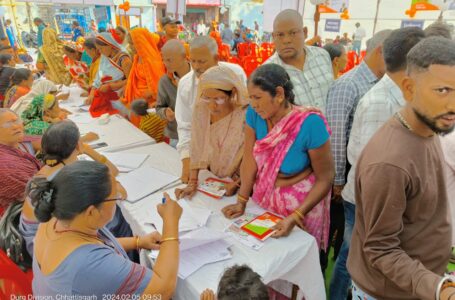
309, 67
203, 55
177, 66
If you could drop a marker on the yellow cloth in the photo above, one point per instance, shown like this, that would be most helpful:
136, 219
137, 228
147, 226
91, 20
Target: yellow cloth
94, 67
52, 51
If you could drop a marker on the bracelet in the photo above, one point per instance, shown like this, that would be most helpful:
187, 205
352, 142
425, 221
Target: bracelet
242, 199
447, 284
169, 239
137, 243
103, 159
441, 283
297, 219
299, 213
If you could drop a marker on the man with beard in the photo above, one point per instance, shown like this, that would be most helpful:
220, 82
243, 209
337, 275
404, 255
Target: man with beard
401, 241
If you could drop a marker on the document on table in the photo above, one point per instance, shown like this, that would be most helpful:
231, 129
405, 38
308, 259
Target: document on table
126, 161
81, 118
143, 182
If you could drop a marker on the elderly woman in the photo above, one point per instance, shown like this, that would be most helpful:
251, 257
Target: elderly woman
114, 69
17, 159
74, 254
20, 84
217, 131
52, 51
146, 70
339, 58
287, 161
60, 146
43, 111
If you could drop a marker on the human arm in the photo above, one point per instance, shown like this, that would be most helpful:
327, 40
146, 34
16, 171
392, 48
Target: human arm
248, 171
90, 97
163, 109
191, 188
92, 153
149, 241
183, 116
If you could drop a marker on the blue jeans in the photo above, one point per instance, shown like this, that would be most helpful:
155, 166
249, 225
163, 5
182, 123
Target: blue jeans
341, 280
357, 46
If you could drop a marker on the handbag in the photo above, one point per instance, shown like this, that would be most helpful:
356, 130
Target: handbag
11, 240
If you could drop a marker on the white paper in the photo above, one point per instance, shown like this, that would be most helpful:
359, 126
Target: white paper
124, 160
80, 118
200, 237
192, 259
144, 181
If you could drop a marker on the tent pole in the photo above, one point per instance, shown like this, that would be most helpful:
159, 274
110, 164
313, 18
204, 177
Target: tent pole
376, 16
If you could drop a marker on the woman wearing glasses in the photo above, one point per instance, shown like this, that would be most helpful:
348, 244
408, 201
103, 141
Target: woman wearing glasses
217, 132
75, 254
61, 145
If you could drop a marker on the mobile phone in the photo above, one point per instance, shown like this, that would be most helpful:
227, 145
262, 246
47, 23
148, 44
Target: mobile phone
98, 145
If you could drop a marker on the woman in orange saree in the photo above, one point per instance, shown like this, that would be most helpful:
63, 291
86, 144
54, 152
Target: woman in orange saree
146, 70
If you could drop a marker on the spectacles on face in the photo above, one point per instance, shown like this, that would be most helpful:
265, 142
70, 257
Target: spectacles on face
282, 35
218, 101
112, 199
10, 124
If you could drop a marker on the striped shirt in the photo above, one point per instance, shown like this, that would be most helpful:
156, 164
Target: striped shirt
341, 104
311, 84
152, 125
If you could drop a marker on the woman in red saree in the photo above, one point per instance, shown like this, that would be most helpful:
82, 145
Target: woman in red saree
115, 66
287, 158
146, 70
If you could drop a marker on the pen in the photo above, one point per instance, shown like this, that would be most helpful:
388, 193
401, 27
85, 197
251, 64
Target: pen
153, 225
163, 200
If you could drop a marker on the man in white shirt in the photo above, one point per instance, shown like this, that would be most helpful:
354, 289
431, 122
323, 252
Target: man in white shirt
309, 67
203, 55
378, 105
201, 28
359, 35
448, 147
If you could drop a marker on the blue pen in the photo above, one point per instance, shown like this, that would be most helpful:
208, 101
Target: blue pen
163, 200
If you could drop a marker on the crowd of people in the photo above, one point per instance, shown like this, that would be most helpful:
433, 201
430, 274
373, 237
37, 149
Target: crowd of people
363, 162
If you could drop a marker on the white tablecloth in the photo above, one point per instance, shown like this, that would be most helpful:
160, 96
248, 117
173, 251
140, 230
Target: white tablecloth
119, 134
294, 258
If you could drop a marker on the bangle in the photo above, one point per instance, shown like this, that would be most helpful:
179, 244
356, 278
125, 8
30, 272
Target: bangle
103, 159
137, 243
441, 283
298, 213
242, 199
169, 239
297, 220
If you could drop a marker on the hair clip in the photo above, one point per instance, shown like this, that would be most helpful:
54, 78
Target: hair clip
47, 196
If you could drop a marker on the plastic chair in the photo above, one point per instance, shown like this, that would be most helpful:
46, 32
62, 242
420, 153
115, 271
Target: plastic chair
12, 280
250, 64
242, 50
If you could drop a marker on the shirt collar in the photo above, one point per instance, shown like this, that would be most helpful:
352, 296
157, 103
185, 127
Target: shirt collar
309, 55
367, 73
394, 90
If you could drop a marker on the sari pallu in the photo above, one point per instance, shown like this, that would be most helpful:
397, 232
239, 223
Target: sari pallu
284, 200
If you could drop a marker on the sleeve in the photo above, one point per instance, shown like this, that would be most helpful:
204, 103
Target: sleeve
251, 117
183, 117
105, 272
339, 108
448, 146
383, 192
316, 132
163, 99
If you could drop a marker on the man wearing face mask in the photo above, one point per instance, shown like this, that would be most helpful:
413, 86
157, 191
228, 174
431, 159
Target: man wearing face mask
203, 55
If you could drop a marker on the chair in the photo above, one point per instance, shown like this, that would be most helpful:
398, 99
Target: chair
250, 64
12, 280
242, 50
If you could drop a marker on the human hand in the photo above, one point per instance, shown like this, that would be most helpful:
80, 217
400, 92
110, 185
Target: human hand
185, 170
170, 210
231, 188
150, 241
63, 96
187, 192
90, 137
336, 193
84, 94
234, 210
208, 294
89, 100
170, 115
104, 88
446, 293
284, 227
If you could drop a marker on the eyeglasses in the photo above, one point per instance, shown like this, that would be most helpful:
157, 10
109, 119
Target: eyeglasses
112, 199
281, 35
218, 101
10, 124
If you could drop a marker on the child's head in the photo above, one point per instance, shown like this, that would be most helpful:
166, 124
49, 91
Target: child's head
241, 283
140, 107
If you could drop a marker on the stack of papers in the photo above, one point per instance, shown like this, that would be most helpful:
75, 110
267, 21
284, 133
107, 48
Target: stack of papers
205, 241
235, 231
143, 182
126, 162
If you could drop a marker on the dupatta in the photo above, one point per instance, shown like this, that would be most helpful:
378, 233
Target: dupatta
269, 154
52, 51
219, 146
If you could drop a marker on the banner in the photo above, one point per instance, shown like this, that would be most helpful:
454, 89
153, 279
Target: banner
332, 25
334, 6
423, 5
412, 23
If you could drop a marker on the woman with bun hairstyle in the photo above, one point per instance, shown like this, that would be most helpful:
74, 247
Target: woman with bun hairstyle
75, 255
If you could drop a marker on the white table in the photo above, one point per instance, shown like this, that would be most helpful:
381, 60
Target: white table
119, 134
294, 258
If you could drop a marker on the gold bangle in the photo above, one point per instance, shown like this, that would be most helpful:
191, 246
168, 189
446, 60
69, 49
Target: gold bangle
299, 213
103, 159
242, 199
137, 243
297, 219
169, 239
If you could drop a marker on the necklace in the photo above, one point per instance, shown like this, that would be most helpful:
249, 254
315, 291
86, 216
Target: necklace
221, 143
95, 236
403, 121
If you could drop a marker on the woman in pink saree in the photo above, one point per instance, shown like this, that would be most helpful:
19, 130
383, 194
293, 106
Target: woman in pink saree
287, 162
